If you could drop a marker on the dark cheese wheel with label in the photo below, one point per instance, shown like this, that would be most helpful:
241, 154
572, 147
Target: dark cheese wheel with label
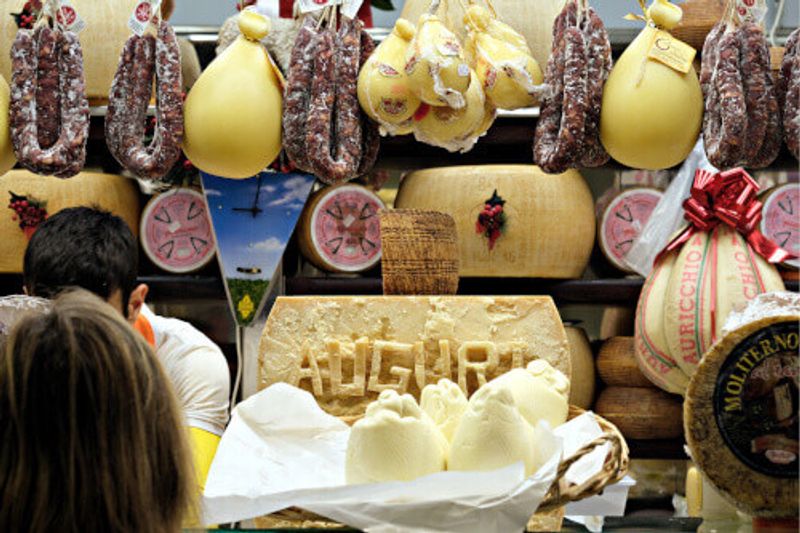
741, 416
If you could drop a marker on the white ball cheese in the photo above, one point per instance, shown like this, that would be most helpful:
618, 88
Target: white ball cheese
540, 392
445, 403
492, 433
395, 441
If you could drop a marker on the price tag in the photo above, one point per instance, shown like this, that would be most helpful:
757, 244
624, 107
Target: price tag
310, 6
674, 53
144, 13
68, 18
351, 7
751, 10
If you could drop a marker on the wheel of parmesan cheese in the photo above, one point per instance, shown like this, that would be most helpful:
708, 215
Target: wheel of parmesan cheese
176, 231
512, 220
339, 230
741, 410
780, 220
623, 221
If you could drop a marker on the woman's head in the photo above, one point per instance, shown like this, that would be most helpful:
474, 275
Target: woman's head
91, 437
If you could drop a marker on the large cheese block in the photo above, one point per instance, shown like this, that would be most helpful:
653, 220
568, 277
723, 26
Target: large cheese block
641, 412
106, 191
741, 409
339, 230
346, 350
545, 223
102, 40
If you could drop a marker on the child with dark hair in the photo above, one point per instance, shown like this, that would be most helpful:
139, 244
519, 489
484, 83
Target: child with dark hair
95, 250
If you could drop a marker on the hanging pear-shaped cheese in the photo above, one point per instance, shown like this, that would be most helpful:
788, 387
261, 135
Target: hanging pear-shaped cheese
7, 158
437, 70
233, 112
651, 113
383, 90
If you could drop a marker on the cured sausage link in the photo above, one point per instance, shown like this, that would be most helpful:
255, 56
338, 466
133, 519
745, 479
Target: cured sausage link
48, 99
758, 93
298, 90
598, 56
369, 128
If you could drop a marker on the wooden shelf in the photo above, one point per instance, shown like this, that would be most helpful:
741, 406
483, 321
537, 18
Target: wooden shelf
657, 449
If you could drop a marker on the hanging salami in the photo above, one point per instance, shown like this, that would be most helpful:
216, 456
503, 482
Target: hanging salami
789, 88
49, 112
142, 58
568, 131
325, 131
741, 125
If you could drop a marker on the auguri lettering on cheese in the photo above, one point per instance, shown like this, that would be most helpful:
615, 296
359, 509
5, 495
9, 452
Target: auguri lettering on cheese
477, 362
347, 350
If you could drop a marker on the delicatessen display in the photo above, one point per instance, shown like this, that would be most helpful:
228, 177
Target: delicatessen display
490, 265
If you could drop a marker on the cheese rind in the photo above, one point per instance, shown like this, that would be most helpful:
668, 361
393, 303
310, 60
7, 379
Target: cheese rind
740, 415
346, 350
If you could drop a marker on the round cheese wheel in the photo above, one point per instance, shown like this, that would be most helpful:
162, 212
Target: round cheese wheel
616, 364
780, 220
623, 221
741, 415
176, 232
582, 383
641, 412
340, 230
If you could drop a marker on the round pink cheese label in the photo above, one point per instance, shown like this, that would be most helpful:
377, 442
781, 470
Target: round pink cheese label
176, 231
623, 221
780, 219
345, 229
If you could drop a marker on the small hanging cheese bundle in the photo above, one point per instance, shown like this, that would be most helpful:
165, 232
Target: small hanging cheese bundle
437, 70
502, 60
7, 158
232, 116
383, 87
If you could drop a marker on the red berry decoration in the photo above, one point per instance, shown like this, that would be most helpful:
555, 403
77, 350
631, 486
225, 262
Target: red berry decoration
28, 211
492, 219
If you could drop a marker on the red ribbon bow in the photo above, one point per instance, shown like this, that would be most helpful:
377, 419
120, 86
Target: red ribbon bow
730, 198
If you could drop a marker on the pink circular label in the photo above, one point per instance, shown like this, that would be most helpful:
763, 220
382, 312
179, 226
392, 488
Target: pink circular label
346, 229
780, 220
176, 231
623, 221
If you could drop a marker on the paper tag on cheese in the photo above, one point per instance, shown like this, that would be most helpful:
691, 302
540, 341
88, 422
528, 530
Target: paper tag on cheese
351, 7
143, 14
68, 18
309, 6
673, 52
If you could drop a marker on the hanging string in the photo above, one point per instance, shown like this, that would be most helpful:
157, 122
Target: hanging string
777, 22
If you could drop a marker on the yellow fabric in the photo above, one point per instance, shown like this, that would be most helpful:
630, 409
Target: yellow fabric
204, 446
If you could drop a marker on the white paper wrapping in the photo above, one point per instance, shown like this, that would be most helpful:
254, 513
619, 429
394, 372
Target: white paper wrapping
281, 450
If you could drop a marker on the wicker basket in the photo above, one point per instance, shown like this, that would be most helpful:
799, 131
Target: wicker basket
420, 252
560, 494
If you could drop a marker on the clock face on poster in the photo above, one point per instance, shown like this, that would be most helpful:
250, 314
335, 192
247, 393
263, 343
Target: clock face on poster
176, 232
780, 220
345, 228
623, 221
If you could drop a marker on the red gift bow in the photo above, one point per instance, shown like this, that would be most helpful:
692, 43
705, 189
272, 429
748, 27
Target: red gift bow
730, 198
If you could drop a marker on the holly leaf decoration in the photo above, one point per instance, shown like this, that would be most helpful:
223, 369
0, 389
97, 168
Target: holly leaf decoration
383, 5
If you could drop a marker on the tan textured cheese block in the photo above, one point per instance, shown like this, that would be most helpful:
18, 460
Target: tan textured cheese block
550, 223
741, 415
533, 19
617, 322
102, 40
642, 413
345, 350
616, 364
106, 191
581, 391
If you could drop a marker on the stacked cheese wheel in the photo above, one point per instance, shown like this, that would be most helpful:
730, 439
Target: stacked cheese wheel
623, 220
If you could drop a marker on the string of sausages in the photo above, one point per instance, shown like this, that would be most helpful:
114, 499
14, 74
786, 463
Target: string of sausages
324, 130
741, 123
789, 93
568, 132
142, 58
48, 112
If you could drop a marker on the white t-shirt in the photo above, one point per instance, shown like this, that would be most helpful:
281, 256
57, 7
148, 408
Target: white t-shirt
197, 368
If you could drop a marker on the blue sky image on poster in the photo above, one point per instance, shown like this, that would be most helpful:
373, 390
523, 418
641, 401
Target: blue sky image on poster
253, 220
